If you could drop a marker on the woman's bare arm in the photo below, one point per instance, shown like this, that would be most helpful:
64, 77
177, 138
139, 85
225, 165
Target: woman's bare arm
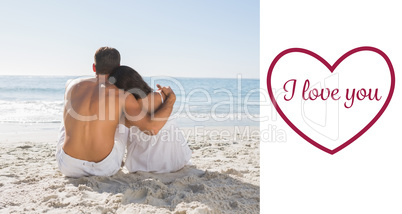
153, 101
147, 123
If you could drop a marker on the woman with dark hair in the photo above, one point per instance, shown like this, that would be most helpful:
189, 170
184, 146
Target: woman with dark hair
128, 79
166, 151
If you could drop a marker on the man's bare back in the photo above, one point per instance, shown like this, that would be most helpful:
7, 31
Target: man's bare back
91, 115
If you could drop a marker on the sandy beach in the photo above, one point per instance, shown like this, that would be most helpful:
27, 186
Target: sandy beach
223, 177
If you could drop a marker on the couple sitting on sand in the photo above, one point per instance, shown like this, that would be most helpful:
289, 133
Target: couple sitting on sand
111, 112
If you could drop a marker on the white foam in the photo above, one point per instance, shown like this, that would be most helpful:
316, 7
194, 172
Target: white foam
31, 111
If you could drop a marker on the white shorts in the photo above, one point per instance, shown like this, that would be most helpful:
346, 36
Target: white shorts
167, 151
72, 167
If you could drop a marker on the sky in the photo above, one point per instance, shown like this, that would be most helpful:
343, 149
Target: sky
178, 38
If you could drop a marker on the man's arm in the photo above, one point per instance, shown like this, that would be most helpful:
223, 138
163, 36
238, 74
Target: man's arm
149, 124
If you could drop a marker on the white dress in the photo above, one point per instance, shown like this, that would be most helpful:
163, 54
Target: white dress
167, 151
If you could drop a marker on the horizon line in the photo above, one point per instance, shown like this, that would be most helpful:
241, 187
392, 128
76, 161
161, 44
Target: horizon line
49, 75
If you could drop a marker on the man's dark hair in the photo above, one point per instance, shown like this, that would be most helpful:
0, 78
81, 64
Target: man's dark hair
128, 79
106, 60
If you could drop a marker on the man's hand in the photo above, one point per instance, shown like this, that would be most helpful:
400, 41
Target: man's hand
170, 95
150, 124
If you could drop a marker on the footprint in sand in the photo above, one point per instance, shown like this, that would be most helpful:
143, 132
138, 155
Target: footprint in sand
196, 188
135, 196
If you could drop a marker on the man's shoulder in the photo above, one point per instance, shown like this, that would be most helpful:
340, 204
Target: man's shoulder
74, 82
88, 82
79, 80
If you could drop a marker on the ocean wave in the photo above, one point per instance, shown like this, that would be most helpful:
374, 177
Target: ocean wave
52, 112
218, 115
31, 111
31, 89
29, 121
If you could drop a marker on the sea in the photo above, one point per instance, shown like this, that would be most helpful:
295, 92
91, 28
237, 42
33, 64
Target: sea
200, 101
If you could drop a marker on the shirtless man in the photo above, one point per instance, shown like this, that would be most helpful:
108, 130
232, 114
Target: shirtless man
89, 143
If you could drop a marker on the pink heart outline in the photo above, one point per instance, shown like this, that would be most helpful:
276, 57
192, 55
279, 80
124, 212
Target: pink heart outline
331, 68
